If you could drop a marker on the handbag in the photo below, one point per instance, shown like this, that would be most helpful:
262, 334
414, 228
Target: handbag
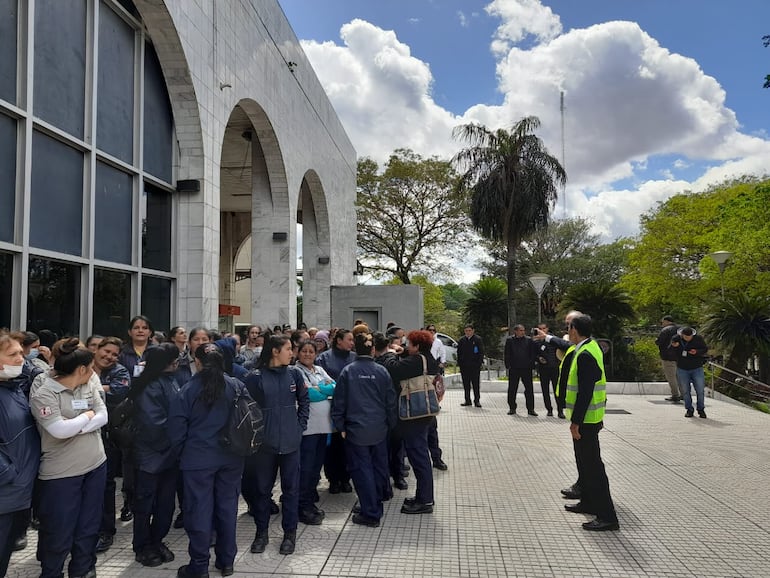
418, 396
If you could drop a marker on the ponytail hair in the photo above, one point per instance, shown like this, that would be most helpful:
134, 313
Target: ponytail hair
70, 354
212, 373
275, 341
156, 359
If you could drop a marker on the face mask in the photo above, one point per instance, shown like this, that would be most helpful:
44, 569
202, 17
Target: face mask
33, 353
10, 371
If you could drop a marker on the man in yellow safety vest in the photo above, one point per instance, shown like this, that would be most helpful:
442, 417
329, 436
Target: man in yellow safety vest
585, 401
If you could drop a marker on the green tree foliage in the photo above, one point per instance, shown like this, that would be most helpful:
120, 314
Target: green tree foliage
608, 305
486, 310
513, 182
411, 216
569, 253
669, 269
455, 296
739, 326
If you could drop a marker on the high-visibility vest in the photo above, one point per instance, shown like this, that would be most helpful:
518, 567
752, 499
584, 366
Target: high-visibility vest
595, 412
566, 354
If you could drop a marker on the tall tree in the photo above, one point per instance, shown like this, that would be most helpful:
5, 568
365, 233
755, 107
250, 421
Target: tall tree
485, 309
513, 182
411, 216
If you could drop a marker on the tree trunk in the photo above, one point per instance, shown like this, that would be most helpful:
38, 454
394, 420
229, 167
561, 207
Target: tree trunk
510, 266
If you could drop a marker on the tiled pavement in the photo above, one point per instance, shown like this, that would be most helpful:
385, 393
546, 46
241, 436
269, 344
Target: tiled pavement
691, 495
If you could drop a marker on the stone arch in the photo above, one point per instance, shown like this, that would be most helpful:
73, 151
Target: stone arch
313, 214
254, 201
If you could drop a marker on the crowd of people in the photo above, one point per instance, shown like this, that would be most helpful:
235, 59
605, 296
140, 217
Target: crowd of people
328, 400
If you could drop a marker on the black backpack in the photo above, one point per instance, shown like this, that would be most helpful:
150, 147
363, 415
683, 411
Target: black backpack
121, 424
244, 431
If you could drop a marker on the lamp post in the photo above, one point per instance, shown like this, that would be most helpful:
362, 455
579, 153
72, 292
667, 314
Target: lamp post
538, 282
721, 258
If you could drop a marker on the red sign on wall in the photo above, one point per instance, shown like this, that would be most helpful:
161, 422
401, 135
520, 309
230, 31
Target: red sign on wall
229, 310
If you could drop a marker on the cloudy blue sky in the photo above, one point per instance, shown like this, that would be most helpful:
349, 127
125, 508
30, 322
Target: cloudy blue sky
661, 96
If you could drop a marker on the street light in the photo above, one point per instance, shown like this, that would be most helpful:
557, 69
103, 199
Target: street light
538, 282
721, 258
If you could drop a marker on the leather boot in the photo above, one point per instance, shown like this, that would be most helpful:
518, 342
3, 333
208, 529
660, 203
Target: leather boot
289, 541
260, 542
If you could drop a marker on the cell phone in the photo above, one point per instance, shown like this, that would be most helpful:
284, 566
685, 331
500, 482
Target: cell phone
534, 332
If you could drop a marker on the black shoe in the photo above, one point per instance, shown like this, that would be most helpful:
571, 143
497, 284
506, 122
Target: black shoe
532, 413
578, 508
149, 557
571, 493
274, 509
224, 570
417, 508
440, 465
511, 412
179, 522
318, 511
346, 488
401, 483
104, 543
90, 574
165, 554
477, 403
310, 518
364, 521
260, 542
466, 403
598, 525
288, 544
126, 515
702, 413
550, 413
406, 468
356, 508
674, 399
561, 415
184, 573
19, 543
334, 487
689, 413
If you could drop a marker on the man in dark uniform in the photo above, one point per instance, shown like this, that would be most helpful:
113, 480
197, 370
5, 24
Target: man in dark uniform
470, 357
548, 370
586, 399
520, 361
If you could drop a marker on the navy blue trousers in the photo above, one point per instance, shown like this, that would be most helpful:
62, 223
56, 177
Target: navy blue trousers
594, 485
311, 459
266, 467
415, 436
435, 450
70, 514
12, 525
153, 507
211, 501
335, 467
368, 466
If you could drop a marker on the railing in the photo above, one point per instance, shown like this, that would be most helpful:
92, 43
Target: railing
756, 389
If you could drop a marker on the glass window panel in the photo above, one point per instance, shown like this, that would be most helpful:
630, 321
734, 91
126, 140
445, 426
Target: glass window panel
158, 120
7, 177
6, 289
8, 32
115, 106
112, 302
60, 63
113, 219
56, 217
156, 229
53, 301
156, 302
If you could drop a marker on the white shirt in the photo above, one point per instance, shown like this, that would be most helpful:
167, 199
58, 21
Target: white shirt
438, 351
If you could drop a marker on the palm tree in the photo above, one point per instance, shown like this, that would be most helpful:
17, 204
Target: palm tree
740, 326
607, 304
513, 183
485, 309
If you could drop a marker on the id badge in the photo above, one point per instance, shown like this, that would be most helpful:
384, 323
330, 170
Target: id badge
138, 369
80, 404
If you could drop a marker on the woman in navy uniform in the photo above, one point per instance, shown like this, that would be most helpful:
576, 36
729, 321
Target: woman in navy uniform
69, 411
281, 393
154, 456
211, 475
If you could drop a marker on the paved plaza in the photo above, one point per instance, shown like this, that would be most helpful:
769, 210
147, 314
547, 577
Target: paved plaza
691, 495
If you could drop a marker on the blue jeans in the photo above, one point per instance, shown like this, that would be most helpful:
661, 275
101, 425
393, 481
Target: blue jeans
698, 380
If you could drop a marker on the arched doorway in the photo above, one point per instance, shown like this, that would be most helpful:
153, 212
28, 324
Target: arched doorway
312, 214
